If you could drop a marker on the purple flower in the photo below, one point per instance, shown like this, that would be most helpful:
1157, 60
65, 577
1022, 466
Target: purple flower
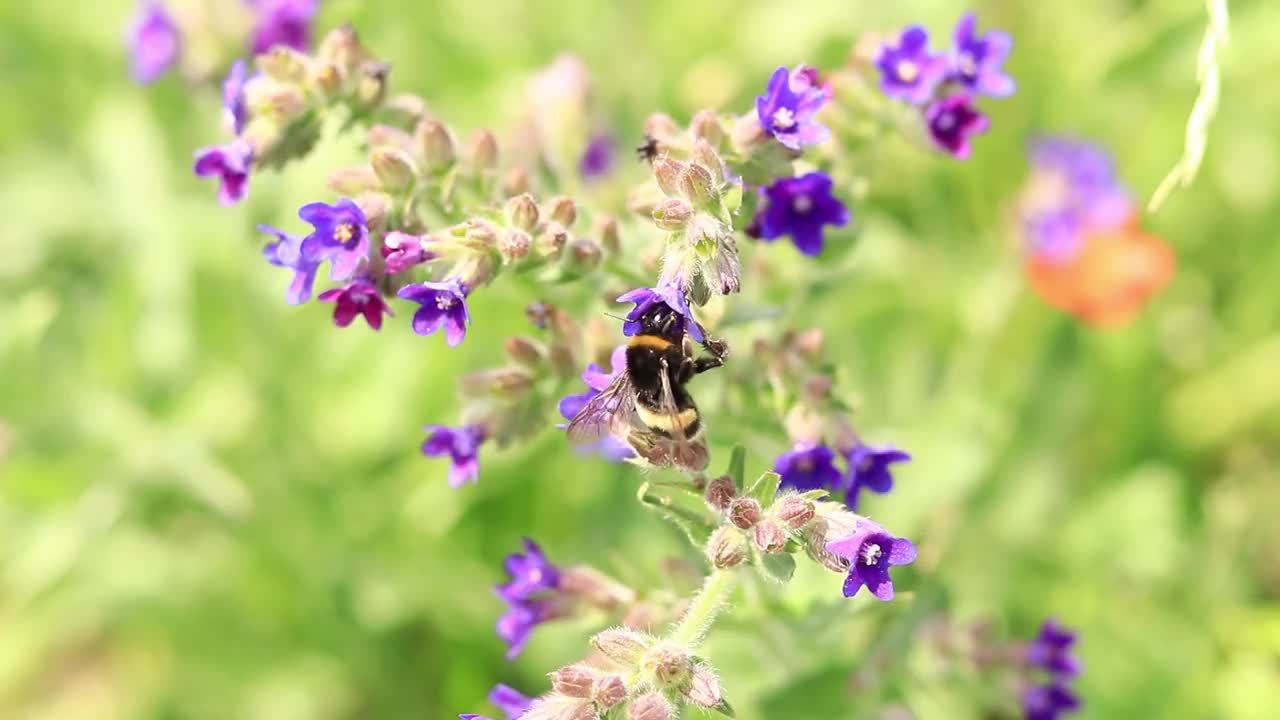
340, 235
462, 445
286, 252
597, 159
808, 468
510, 701
1051, 651
869, 468
662, 299
516, 624
1073, 190
283, 22
597, 380
235, 110
952, 122
530, 573
1048, 702
908, 70
401, 251
444, 304
800, 207
871, 551
789, 104
230, 163
155, 42
975, 61
358, 297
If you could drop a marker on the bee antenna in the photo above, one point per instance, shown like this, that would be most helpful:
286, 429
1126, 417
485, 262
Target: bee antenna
615, 317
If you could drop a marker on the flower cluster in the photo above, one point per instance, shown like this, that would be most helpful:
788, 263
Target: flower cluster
1050, 653
1085, 252
945, 84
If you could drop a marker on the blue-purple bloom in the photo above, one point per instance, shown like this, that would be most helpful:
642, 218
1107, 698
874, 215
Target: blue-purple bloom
597, 380
1051, 651
286, 252
869, 469
358, 297
510, 701
787, 109
908, 70
340, 236
975, 62
1048, 702
871, 551
444, 304
461, 445
808, 467
1073, 191
664, 298
800, 207
529, 596
235, 109
530, 573
283, 22
231, 164
401, 251
953, 121
597, 159
155, 42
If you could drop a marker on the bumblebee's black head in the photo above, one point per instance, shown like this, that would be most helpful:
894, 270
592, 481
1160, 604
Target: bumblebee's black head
664, 322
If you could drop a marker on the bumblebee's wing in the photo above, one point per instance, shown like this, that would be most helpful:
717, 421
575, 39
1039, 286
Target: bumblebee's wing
680, 450
612, 412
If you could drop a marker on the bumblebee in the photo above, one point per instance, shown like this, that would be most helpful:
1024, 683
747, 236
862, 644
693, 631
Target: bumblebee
648, 404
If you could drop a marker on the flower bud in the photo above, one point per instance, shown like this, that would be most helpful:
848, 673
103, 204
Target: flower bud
667, 171
672, 214
435, 143
584, 255
326, 78
625, 647
595, 588
500, 382
815, 546
809, 342
574, 681
375, 206
278, 100
372, 87
720, 493
562, 210
744, 513
667, 665
550, 242
386, 135
482, 149
697, 184
769, 537
706, 156
342, 48
747, 131
514, 245
793, 511
706, 126
609, 690
525, 351
644, 616
817, 388
516, 181
283, 64
726, 548
393, 167
353, 180
606, 229
408, 105
650, 706
704, 689
521, 212
479, 235
661, 127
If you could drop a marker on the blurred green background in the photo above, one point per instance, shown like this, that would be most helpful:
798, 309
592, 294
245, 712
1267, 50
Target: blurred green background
212, 504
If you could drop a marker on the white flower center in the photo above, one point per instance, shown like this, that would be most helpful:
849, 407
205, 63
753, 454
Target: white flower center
801, 204
908, 71
444, 301
968, 64
784, 119
871, 554
343, 233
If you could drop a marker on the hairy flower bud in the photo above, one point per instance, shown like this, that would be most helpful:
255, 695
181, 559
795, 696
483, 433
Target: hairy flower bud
482, 149
516, 181
435, 143
609, 690
697, 184
499, 382
584, 255
574, 681
408, 105
393, 167
525, 351
283, 64
817, 388
605, 228
514, 245
562, 210
672, 214
667, 665
272, 98
521, 212
793, 511
342, 48
744, 513
353, 180
706, 126
704, 688
662, 128
705, 156
387, 135
551, 242
809, 342
372, 87
595, 588
726, 548
769, 537
650, 706
720, 493
747, 131
815, 546
326, 77
668, 171
625, 647
375, 206
479, 234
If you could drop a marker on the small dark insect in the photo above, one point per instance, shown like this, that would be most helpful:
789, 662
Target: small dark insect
648, 150
648, 405
538, 312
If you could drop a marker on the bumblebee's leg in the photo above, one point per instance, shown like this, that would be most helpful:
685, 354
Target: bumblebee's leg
707, 362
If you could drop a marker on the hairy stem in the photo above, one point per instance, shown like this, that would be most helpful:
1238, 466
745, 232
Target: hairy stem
704, 608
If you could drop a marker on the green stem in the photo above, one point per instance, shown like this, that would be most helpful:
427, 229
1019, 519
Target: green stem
704, 608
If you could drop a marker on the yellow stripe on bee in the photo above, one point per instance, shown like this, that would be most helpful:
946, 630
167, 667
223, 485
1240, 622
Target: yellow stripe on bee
664, 422
649, 341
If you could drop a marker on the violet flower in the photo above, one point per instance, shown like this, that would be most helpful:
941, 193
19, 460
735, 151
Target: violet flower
340, 235
952, 122
154, 41
1051, 651
871, 551
529, 596
235, 109
461, 445
1048, 702
510, 701
286, 252
807, 467
661, 299
975, 62
612, 448
787, 109
800, 207
516, 624
597, 159
869, 469
229, 163
283, 22
908, 70
444, 304
401, 251
1073, 191
358, 297
530, 573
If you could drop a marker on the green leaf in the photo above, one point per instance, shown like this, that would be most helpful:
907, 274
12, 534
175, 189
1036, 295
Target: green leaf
777, 567
693, 525
765, 487
738, 466
724, 708
815, 494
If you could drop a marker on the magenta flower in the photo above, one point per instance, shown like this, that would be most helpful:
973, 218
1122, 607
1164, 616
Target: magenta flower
340, 235
808, 467
800, 207
788, 107
235, 110
229, 163
871, 551
283, 22
358, 297
401, 251
444, 304
975, 62
952, 122
869, 469
662, 299
155, 42
1051, 651
461, 445
286, 252
1048, 702
908, 70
